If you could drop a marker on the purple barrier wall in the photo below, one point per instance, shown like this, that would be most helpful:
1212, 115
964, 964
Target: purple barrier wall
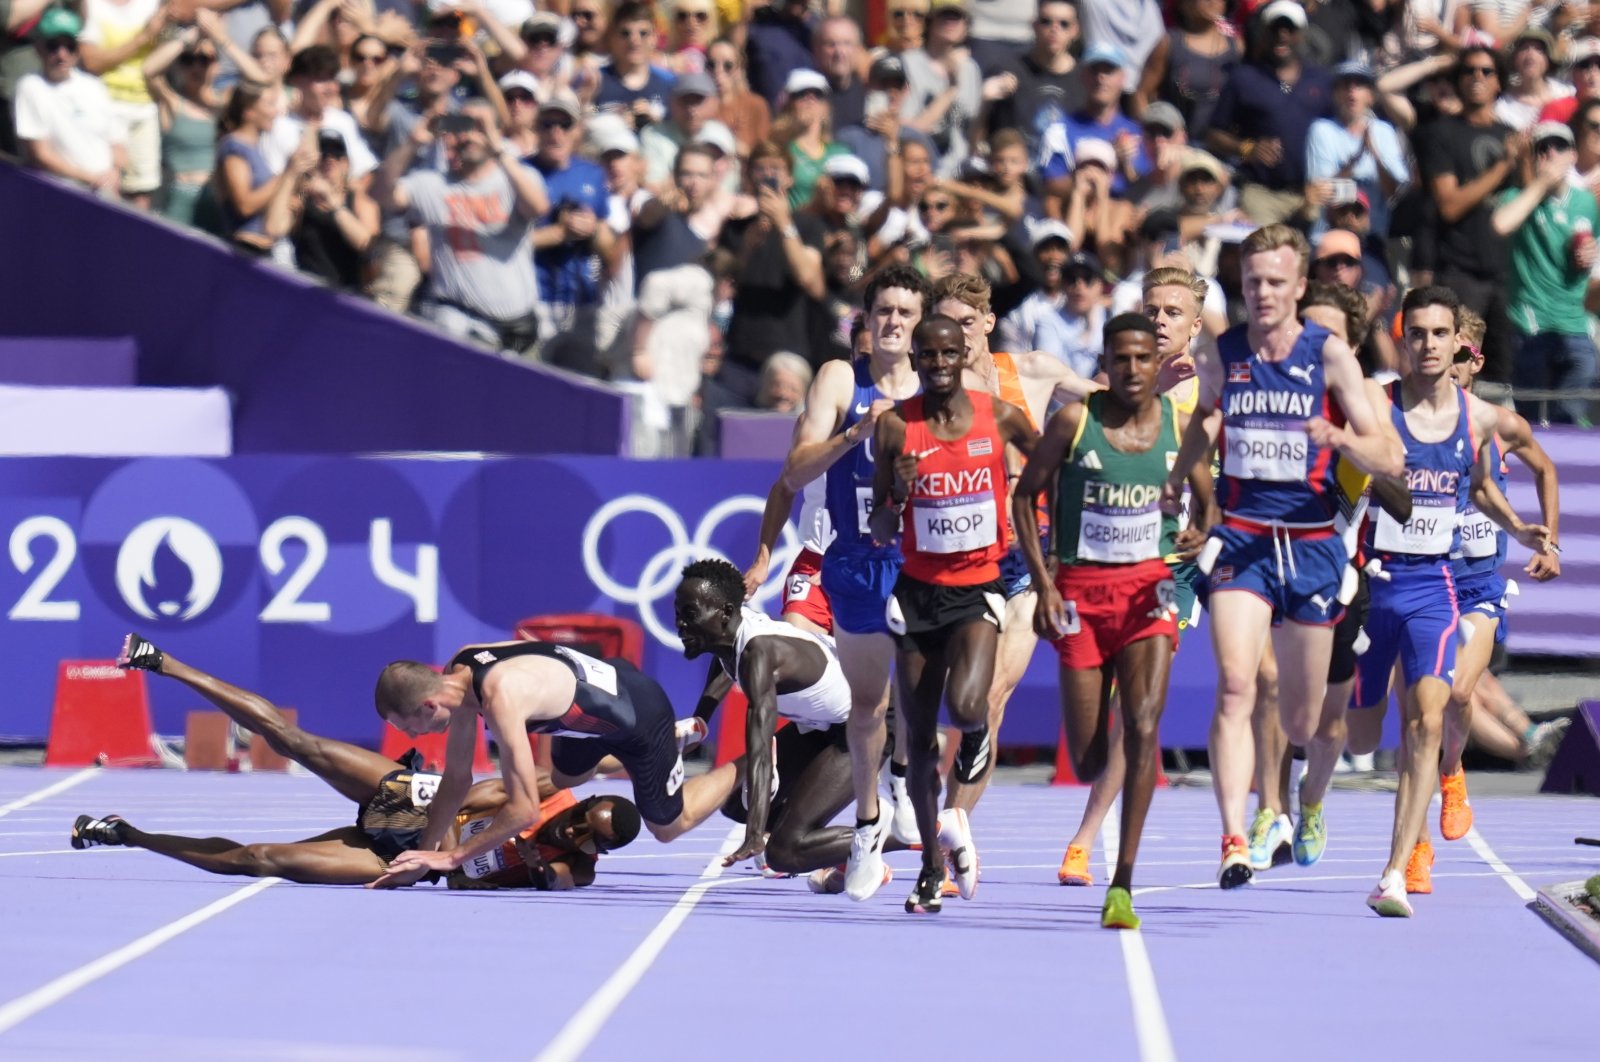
756, 436
312, 371
1562, 617
70, 362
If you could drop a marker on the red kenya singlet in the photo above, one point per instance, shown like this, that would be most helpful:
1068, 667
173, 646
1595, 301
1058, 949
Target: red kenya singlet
955, 525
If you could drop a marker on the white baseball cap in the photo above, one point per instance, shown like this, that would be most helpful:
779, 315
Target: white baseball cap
848, 167
1049, 229
719, 136
1091, 149
803, 78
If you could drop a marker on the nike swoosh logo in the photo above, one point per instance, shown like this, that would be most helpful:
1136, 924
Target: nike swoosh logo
861, 410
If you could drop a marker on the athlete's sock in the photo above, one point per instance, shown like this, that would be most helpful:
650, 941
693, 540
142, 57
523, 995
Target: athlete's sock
897, 769
862, 823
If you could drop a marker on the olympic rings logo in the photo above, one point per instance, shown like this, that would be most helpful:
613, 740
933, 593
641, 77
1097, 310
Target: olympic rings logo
658, 578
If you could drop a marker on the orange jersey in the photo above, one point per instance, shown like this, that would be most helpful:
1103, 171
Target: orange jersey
1011, 391
504, 866
955, 529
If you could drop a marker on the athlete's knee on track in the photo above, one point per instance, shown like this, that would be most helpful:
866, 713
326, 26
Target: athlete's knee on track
784, 855
664, 833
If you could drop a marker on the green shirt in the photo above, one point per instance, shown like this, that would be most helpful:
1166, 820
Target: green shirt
1108, 503
807, 170
1546, 287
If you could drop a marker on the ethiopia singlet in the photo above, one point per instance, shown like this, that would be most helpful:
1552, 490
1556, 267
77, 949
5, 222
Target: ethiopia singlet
599, 706
503, 866
1483, 543
1439, 475
955, 525
850, 479
825, 702
1271, 472
1108, 502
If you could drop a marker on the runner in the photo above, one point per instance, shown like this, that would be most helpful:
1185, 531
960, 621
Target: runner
391, 798
1285, 399
1414, 616
1113, 609
590, 708
944, 460
833, 438
799, 781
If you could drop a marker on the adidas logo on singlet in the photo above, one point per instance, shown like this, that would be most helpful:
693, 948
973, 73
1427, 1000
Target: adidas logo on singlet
1090, 460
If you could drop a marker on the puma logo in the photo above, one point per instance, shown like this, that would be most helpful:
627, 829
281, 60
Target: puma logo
1300, 372
1323, 603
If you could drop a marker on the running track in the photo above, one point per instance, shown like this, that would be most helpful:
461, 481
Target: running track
112, 953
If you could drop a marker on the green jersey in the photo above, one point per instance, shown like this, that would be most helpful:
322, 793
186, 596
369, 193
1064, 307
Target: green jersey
1108, 503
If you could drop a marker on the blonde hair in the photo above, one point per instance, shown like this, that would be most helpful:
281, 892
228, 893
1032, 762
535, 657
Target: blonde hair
1274, 237
966, 288
1472, 327
1174, 277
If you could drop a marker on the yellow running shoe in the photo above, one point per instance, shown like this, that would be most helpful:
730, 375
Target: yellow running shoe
1419, 869
1455, 810
1075, 867
1118, 910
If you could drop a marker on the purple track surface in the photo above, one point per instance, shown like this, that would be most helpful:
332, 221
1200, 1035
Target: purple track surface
765, 967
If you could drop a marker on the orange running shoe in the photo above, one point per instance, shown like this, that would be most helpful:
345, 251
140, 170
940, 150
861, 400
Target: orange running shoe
1235, 869
1455, 810
1419, 869
949, 888
1075, 867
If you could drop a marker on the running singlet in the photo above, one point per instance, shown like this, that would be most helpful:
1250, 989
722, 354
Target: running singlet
599, 708
1108, 507
1483, 543
816, 529
818, 706
955, 525
1439, 475
1271, 472
1005, 367
504, 866
850, 479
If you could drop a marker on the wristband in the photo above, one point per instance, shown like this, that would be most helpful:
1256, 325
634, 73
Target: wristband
791, 232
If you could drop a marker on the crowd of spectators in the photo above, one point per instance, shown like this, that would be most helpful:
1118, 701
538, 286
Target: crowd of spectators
687, 198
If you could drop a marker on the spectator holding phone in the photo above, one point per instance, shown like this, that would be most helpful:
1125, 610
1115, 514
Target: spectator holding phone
1354, 151
805, 128
574, 247
318, 102
631, 85
65, 123
337, 223
877, 140
256, 201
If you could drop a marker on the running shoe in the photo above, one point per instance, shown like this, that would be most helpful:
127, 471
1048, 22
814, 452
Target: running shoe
1419, 869
955, 837
927, 897
1117, 912
829, 881
1389, 898
766, 869
138, 653
1311, 835
690, 732
1544, 741
1235, 870
1455, 810
863, 875
972, 756
1075, 867
90, 832
1269, 840
904, 823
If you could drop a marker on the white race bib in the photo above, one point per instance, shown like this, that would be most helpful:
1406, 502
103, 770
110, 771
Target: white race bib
596, 673
1277, 455
1119, 538
955, 525
1427, 534
423, 787
1480, 536
863, 509
485, 863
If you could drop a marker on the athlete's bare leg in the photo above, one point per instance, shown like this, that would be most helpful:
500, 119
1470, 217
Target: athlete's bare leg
1419, 765
1143, 670
866, 660
353, 771
1240, 622
1104, 789
1472, 660
1495, 737
1272, 747
338, 857
1017, 642
802, 839
702, 796
1327, 744
1303, 653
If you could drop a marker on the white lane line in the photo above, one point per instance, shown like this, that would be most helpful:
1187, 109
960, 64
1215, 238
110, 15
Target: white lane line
63, 851
1507, 875
26, 1006
586, 1024
49, 791
1149, 1018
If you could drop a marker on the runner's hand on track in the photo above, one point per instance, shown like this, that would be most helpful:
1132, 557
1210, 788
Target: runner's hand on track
408, 867
753, 845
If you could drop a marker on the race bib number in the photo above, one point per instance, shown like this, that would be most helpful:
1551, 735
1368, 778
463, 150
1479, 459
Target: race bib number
1276, 455
423, 787
485, 863
1070, 608
1119, 538
1166, 599
1480, 536
799, 588
863, 509
675, 779
596, 673
1427, 534
956, 525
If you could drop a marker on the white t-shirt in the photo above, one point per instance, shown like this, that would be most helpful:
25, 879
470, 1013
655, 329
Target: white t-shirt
72, 116
284, 140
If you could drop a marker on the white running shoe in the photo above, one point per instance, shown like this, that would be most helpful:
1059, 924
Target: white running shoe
1545, 740
691, 732
1389, 898
955, 837
829, 881
904, 823
863, 875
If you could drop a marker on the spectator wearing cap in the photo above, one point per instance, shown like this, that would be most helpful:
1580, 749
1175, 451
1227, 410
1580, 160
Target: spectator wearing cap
806, 128
1131, 28
1188, 67
1467, 158
520, 90
729, 169
573, 247
1583, 57
843, 204
118, 35
630, 85
538, 48
946, 86
1101, 119
877, 140
1065, 316
781, 252
616, 148
691, 103
318, 100
1355, 145
694, 26
1166, 141
1341, 259
1092, 210
777, 43
1552, 228
1043, 86
64, 120
838, 54
1265, 113
1531, 86
337, 222
479, 216
744, 112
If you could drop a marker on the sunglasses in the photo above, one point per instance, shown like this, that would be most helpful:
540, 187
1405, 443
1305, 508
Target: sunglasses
695, 16
1551, 143
903, 13
543, 38
1587, 64
522, 96
1479, 71
368, 59
1085, 279
951, 14
56, 44
197, 59
1339, 261
808, 94
561, 122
